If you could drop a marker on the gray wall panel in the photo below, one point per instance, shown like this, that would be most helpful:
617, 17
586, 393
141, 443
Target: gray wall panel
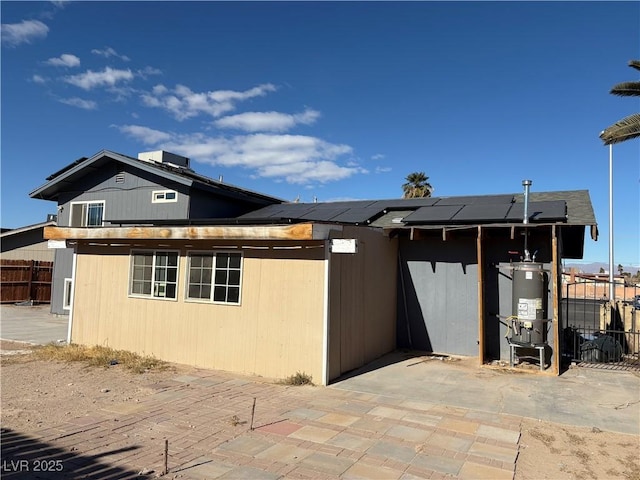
441, 290
62, 268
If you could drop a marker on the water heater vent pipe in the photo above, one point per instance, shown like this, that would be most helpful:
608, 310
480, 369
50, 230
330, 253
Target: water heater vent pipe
526, 184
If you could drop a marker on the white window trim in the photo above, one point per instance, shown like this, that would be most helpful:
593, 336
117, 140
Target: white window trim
153, 271
213, 254
156, 193
68, 287
86, 202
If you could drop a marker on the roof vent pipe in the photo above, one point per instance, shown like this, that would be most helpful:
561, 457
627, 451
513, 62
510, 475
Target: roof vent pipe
526, 184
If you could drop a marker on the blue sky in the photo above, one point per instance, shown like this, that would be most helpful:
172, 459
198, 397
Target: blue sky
329, 100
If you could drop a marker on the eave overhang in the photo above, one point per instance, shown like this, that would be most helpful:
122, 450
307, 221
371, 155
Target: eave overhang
301, 231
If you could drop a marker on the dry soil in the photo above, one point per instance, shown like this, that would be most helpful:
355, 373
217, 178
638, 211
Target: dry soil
39, 394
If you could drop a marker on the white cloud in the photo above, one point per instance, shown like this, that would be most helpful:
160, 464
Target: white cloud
183, 103
108, 77
109, 52
14, 34
64, 60
267, 121
382, 169
146, 135
39, 79
297, 159
147, 71
377, 156
80, 103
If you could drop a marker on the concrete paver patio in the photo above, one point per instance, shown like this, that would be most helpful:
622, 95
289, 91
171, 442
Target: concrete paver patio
299, 432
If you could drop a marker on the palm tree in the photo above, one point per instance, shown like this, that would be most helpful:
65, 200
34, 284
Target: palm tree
628, 127
417, 186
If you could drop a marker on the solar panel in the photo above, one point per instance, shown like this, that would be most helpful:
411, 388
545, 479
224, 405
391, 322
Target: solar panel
357, 215
539, 211
477, 200
433, 214
482, 213
404, 203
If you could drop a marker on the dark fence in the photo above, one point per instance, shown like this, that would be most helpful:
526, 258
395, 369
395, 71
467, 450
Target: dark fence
600, 333
25, 280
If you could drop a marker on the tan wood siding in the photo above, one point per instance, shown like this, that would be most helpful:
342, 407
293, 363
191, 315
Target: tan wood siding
275, 332
362, 301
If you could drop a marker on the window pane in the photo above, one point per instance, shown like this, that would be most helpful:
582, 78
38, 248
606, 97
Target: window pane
234, 260
172, 259
207, 261
221, 277
206, 291
161, 274
219, 294
222, 260
194, 291
94, 214
170, 195
161, 259
196, 260
195, 276
171, 290
172, 274
233, 295
234, 277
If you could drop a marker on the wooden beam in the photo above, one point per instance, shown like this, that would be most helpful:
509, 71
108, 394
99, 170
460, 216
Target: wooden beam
555, 325
302, 231
480, 258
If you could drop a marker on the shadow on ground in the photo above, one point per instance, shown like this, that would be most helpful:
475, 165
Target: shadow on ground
24, 457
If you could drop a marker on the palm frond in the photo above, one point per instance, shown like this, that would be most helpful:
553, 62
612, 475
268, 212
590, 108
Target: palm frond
625, 129
626, 89
634, 64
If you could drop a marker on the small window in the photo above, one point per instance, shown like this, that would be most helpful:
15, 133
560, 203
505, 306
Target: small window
68, 288
164, 196
87, 214
154, 274
214, 277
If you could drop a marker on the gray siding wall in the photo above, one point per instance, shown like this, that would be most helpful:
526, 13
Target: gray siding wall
440, 282
130, 200
62, 268
203, 206
441, 290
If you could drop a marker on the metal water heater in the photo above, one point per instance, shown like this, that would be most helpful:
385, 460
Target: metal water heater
529, 313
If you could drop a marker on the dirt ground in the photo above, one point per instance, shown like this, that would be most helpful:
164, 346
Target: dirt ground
38, 394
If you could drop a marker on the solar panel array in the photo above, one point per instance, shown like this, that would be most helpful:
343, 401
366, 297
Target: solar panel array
434, 211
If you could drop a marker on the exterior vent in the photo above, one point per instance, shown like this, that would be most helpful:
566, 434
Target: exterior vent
120, 177
160, 156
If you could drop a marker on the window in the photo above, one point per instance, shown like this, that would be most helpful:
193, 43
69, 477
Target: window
164, 196
215, 277
87, 214
68, 288
154, 274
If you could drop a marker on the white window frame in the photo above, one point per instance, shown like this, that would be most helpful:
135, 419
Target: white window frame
213, 254
86, 213
67, 294
154, 283
159, 196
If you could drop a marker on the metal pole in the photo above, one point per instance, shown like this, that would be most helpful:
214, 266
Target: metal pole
612, 290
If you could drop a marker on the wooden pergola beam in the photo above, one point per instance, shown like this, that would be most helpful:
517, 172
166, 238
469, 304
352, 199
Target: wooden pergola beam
302, 231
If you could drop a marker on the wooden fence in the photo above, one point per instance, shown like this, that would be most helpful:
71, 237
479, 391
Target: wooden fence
24, 280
